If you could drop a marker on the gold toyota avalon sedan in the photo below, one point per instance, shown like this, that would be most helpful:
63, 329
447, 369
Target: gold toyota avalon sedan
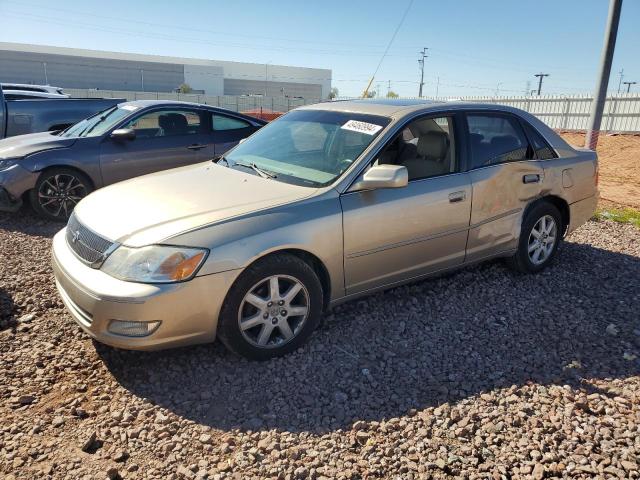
327, 203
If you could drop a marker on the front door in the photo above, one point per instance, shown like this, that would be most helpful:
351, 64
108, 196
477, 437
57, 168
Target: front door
392, 235
165, 138
506, 178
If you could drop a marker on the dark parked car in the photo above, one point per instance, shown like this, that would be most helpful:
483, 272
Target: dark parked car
56, 170
41, 108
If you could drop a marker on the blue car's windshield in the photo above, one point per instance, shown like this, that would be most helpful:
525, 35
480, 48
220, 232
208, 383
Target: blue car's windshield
307, 147
99, 123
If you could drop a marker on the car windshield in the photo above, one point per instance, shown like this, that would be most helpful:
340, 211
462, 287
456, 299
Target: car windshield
307, 147
99, 123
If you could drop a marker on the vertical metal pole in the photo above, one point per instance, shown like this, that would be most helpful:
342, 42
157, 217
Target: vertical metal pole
142, 78
597, 106
46, 78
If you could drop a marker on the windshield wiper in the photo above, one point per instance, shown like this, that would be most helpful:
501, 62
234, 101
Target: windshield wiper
260, 171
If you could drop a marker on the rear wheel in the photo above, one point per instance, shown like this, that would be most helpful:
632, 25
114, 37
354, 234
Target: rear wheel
272, 309
57, 191
539, 239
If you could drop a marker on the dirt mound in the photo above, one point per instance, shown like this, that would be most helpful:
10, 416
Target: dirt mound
619, 166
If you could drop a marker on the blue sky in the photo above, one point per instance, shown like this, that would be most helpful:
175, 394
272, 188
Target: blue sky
475, 46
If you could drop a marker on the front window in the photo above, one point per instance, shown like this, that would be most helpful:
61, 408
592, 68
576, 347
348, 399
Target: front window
166, 123
308, 147
99, 123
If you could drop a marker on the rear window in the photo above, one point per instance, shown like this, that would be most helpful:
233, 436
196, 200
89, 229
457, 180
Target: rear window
496, 139
539, 144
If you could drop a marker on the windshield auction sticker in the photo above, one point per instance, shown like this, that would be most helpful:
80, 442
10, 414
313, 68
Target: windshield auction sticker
362, 127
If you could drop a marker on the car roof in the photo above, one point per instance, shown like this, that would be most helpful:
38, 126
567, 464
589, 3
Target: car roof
178, 103
400, 107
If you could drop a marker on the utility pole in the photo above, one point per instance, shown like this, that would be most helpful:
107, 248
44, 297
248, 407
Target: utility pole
46, 78
424, 55
378, 90
621, 73
142, 78
628, 84
388, 87
437, 86
527, 89
498, 89
540, 77
597, 106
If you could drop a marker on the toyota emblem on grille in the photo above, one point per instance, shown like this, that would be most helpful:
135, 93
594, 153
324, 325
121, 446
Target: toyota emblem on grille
75, 236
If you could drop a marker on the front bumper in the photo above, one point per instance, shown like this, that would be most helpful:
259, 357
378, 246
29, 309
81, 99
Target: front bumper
188, 311
14, 182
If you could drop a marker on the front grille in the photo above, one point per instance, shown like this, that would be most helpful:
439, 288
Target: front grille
87, 245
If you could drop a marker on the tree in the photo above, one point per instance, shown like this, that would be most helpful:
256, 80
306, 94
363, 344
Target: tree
392, 94
333, 93
185, 88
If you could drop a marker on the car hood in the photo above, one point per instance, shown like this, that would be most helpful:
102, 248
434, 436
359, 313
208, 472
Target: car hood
153, 208
23, 145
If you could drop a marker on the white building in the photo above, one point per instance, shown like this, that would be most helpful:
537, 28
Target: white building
79, 68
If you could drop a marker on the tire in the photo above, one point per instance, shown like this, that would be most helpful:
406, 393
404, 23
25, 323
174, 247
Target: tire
57, 191
276, 320
534, 255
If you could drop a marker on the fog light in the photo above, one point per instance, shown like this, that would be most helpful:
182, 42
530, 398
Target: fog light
129, 328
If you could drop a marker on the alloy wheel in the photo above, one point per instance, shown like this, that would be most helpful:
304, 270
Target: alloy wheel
273, 311
59, 194
542, 239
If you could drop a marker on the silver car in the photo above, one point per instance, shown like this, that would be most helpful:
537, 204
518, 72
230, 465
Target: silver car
328, 203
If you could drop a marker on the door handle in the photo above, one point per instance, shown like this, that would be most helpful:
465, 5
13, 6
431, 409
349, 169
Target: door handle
531, 178
196, 146
457, 196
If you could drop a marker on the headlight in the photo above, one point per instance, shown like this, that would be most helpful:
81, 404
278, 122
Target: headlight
6, 163
155, 263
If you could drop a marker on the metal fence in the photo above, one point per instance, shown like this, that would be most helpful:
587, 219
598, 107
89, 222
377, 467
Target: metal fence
621, 112
236, 103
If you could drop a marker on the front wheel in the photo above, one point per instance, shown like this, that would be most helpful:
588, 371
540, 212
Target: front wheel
539, 239
57, 191
272, 309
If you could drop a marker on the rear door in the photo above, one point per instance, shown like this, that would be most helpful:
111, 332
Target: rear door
505, 176
165, 138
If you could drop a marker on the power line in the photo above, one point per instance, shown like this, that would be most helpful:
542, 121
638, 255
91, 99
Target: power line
393, 37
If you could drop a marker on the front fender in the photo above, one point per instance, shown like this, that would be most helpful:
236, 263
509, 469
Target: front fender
313, 226
81, 157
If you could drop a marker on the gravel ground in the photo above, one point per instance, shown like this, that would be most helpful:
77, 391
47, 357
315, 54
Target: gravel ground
480, 374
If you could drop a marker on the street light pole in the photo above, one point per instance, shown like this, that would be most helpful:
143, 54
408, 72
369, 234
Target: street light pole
46, 78
142, 78
597, 106
423, 54
628, 84
540, 76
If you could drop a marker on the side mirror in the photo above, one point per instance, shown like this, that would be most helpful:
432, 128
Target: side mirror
383, 176
123, 134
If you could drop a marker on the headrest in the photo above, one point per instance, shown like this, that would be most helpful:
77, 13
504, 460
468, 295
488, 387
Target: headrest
178, 120
433, 145
505, 143
173, 122
164, 121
